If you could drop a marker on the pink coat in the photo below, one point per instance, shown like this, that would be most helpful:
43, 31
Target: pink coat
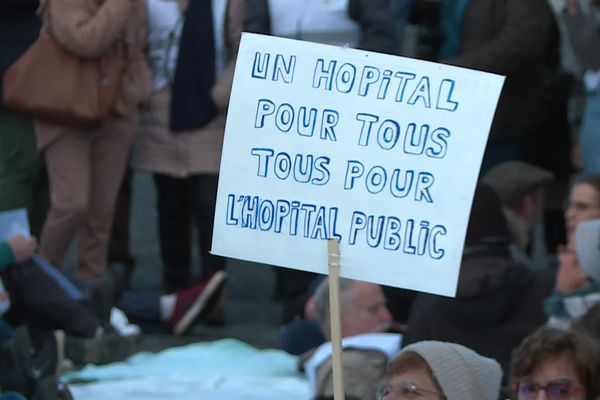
89, 28
199, 151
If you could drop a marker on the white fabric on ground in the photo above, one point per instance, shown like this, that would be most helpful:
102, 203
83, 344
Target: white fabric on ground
224, 388
225, 369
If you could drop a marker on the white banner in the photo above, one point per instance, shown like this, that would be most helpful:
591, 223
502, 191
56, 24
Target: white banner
378, 151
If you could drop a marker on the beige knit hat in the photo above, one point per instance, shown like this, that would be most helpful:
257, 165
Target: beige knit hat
462, 373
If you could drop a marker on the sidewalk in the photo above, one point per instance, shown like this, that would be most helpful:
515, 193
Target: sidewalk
250, 314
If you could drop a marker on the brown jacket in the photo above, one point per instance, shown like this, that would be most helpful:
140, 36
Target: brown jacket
91, 27
182, 154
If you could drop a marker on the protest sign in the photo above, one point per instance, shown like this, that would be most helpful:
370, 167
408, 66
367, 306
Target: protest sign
378, 151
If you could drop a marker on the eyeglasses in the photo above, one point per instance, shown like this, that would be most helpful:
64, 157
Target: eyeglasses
405, 390
555, 390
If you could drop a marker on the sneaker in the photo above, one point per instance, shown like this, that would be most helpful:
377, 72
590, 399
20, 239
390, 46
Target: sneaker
196, 302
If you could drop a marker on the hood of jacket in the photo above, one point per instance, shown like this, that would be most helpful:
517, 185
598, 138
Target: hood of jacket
490, 285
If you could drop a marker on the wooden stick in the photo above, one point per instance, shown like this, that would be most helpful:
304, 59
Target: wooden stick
335, 318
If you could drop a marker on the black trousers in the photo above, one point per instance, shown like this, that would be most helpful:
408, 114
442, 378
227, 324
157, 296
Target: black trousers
183, 203
38, 302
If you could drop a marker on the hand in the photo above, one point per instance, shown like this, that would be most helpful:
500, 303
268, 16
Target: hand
570, 277
22, 247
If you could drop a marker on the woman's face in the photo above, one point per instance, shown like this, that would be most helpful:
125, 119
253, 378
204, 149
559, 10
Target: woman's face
570, 276
413, 384
554, 379
584, 204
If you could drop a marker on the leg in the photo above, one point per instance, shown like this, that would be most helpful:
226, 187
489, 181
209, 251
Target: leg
204, 202
41, 200
174, 230
67, 160
118, 249
43, 305
109, 152
21, 169
141, 306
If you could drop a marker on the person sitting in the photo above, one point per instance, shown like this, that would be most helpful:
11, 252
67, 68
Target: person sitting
364, 24
177, 312
441, 370
31, 361
520, 187
498, 300
366, 350
583, 204
562, 364
578, 279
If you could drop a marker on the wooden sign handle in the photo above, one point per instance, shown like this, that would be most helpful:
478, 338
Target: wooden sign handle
335, 318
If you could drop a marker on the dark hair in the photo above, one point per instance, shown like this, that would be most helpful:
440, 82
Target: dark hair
590, 323
487, 224
546, 344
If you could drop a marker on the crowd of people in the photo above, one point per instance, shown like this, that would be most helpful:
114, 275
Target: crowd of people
525, 319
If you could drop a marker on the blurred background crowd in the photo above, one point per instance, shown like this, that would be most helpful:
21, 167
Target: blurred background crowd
532, 252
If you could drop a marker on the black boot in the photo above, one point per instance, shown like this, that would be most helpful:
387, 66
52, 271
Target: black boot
45, 368
14, 354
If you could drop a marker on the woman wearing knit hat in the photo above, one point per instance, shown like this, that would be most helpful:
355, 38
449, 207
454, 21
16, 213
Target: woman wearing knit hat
578, 279
560, 364
442, 370
498, 300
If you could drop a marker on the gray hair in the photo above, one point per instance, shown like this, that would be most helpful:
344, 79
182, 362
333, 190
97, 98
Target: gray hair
322, 301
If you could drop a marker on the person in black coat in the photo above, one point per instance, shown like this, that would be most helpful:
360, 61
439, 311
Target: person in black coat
498, 301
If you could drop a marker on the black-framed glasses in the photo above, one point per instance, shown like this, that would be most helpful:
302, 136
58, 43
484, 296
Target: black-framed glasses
555, 390
406, 390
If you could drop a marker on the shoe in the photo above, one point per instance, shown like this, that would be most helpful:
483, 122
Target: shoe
15, 353
106, 347
196, 302
120, 323
46, 367
47, 362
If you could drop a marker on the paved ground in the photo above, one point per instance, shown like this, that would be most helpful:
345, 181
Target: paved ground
250, 313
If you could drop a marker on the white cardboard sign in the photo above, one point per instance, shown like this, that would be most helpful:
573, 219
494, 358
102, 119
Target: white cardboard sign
381, 152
